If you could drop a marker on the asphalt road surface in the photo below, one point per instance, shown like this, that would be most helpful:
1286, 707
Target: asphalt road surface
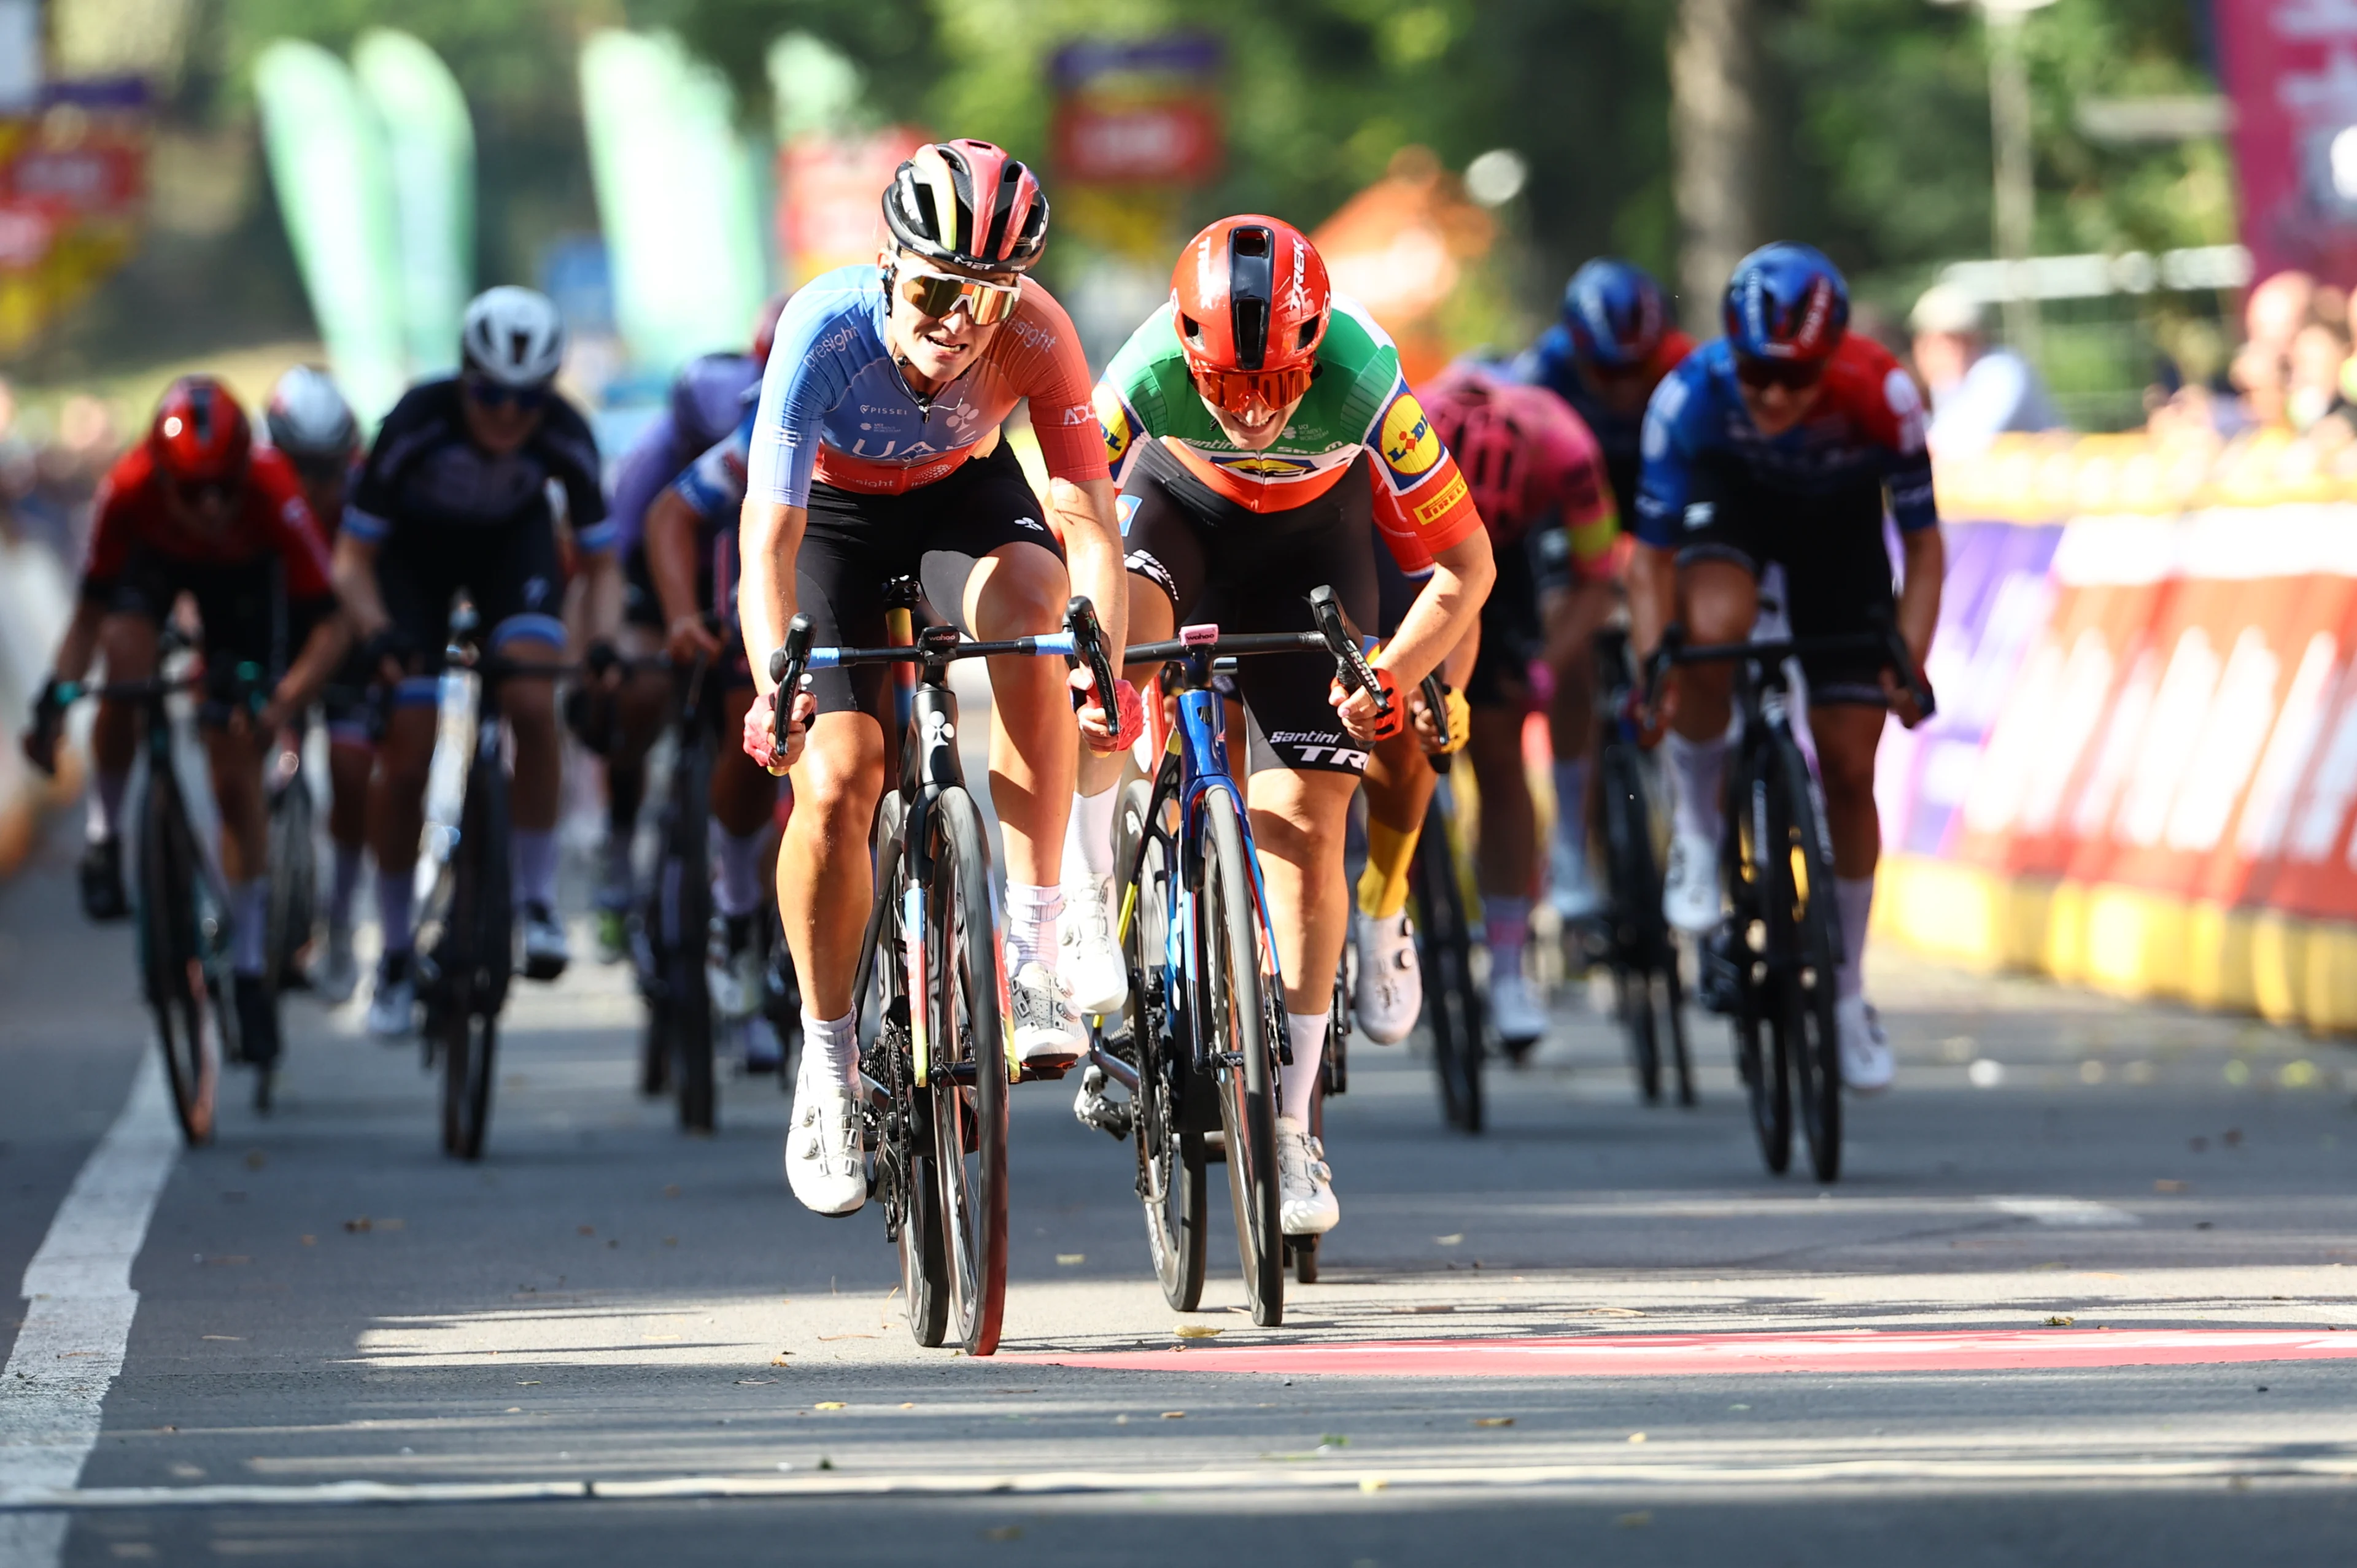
2087, 1293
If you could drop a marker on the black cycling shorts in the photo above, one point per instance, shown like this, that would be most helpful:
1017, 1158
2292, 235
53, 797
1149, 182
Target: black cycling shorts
1247, 571
509, 571
854, 544
244, 616
1837, 566
1513, 632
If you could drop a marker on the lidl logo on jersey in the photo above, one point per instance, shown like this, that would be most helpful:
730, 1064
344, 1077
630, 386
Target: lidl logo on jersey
1112, 418
1408, 445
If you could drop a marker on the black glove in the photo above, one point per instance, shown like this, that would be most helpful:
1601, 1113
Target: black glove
389, 644
601, 658
41, 739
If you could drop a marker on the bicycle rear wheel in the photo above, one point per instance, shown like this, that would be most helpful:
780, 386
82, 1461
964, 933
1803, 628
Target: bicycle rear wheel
1639, 938
171, 950
686, 890
1805, 911
1173, 1183
968, 1043
1452, 1003
293, 880
1231, 1006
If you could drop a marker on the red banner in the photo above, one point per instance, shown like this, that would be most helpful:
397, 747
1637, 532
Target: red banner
2290, 69
830, 198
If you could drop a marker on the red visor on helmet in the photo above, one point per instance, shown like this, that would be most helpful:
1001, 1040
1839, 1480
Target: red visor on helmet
199, 435
1252, 304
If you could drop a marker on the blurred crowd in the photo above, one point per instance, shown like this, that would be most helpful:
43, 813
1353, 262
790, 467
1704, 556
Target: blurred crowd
51, 468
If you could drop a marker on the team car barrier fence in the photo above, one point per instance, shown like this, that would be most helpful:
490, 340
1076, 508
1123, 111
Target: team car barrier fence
2144, 770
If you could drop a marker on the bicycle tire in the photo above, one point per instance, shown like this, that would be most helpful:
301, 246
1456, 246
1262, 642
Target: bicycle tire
1231, 1002
1674, 1008
478, 936
907, 1133
1760, 1044
1452, 1003
1634, 886
1804, 900
969, 1119
171, 950
687, 892
1173, 1169
294, 879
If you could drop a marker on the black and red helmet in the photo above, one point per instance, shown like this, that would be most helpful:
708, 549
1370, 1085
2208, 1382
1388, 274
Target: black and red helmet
1252, 302
200, 436
970, 204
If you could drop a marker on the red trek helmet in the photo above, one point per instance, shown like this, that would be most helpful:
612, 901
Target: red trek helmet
1252, 304
970, 204
1491, 449
200, 436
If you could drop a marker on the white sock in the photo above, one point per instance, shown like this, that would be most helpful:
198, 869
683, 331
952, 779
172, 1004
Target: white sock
344, 886
535, 867
1700, 768
1854, 898
1088, 835
832, 1046
737, 880
1308, 1033
1032, 916
106, 804
1506, 925
393, 908
249, 917
1570, 807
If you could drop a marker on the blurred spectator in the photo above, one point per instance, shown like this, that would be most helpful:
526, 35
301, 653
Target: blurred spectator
2279, 307
1978, 392
2312, 387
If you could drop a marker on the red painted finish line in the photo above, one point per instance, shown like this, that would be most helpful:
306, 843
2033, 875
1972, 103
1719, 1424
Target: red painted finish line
1707, 1355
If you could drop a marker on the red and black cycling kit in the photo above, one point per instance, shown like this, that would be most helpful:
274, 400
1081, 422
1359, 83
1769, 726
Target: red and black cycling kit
260, 580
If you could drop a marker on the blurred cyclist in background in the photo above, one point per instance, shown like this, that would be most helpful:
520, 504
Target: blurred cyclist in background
708, 397
197, 509
1781, 442
1613, 345
313, 427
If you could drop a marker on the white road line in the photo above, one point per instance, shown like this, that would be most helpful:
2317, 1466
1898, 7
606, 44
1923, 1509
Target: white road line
2069, 1211
78, 1316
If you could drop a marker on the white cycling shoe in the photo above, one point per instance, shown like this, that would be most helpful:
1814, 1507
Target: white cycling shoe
824, 1164
546, 951
1390, 993
1515, 1014
1305, 1205
1048, 1032
1868, 1066
393, 1008
732, 968
1690, 899
338, 974
1569, 887
1086, 955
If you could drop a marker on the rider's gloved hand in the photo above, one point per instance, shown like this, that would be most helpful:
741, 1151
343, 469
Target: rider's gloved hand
600, 661
41, 739
389, 651
1105, 737
1447, 731
761, 741
688, 639
1357, 709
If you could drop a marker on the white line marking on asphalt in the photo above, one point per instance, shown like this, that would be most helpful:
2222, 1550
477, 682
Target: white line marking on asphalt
78, 1316
2075, 1211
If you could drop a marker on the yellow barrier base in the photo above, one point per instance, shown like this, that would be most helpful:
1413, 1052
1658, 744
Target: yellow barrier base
2123, 941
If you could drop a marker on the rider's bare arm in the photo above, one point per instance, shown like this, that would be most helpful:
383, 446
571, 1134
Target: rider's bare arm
1448, 605
768, 538
671, 530
355, 577
79, 647
1084, 516
1653, 596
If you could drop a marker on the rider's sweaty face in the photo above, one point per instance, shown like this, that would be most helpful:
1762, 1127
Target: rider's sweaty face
1776, 409
938, 350
1257, 427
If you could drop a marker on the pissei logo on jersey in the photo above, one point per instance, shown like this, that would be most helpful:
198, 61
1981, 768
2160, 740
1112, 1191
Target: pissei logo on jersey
1407, 440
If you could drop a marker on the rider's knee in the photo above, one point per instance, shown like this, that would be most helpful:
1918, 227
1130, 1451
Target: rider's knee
1846, 769
840, 778
1025, 595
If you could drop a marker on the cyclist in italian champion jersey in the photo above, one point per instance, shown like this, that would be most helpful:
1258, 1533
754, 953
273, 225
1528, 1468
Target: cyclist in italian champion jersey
198, 508
1261, 428
1537, 479
876, 454
709, 398
454, 496
313, 427
1783, 442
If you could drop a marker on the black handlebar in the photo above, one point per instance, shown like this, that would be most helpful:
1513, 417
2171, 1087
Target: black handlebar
1342, 641
1884, 639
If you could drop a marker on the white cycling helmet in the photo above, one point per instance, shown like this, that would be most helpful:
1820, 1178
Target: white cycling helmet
513, 335
309, 419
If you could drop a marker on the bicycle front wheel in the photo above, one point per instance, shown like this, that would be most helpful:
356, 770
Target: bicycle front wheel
171, 950
1172, 1180
968, 1073
1452, 1003
475, 960
1639, 943
1804, 912
1232, 1008
293, 880
1760, 1042
908, 1164
686, 890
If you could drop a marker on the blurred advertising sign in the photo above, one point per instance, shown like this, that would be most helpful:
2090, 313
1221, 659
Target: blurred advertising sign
1144, 111
829, 197
1401, 246
2290, 69
73, 186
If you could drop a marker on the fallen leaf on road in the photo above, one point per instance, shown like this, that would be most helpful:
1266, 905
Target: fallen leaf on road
1174, 1415
831, 1338
1372, 1484
2164, 1184
671, 1192
1196, 1331
515, 1410
1493, 1420
1068, 1259
356, 1225
229, 1339
755, 1382
1426, 1307
1636, 1437
584, 1229
1004, 1532
829, 1404
1450, 1240
532, 1383
1636, 1520
908, 1404
310, 1240
779, 1359
255, 1159
2059, 1321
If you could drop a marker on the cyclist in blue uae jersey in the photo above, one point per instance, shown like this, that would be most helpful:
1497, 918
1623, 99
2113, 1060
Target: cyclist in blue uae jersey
1783, 442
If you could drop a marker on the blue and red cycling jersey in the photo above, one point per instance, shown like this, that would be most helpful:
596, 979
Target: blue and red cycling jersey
1866, 426
708, 396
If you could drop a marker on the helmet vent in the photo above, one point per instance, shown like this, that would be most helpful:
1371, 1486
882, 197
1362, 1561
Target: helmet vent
1251, 292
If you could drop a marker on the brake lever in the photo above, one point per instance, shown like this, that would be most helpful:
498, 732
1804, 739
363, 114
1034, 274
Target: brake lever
1088, 641
1919, 687
1343, 641
787, 667
1435, 702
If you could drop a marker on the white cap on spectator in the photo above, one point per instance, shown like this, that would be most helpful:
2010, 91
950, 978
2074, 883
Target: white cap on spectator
1947, 309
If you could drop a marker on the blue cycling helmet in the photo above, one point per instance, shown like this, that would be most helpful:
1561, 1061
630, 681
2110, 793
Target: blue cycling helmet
1786, 302
1613, 309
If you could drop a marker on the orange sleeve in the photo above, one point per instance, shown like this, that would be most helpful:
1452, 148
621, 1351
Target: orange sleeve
1398, 530
1441, 509
1047, 366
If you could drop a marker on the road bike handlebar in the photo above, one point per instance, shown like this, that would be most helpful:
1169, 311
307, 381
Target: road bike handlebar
1884, 639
